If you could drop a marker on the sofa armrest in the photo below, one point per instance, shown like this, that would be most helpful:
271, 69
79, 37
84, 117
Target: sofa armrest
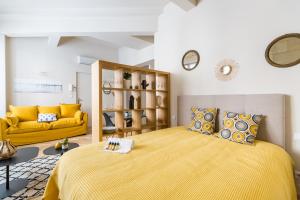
3, 127
85, 119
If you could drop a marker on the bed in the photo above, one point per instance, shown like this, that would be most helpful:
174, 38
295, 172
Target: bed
176, 163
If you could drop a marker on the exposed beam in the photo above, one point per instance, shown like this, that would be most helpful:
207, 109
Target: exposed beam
113, 39
53, 40
186, 4
147, 38
121, 40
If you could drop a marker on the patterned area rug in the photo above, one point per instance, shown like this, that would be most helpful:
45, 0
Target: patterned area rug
37, 171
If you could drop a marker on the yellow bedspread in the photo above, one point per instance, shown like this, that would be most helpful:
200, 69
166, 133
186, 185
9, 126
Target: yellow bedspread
175, 164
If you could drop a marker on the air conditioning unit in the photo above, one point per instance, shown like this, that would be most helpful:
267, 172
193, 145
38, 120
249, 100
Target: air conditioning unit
85, 60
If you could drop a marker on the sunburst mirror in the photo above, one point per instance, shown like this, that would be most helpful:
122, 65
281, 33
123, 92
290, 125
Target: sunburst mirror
226, 70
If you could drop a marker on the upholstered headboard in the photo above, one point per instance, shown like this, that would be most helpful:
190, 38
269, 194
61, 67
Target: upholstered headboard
272, 106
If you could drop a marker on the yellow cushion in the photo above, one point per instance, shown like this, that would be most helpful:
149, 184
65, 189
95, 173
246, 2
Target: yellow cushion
25, 113
204, 120
29, 126
69, 110
78, 115
240, 128
50, 109
12, 120
65, 123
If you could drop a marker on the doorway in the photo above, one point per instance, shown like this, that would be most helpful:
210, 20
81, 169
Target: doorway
84, 94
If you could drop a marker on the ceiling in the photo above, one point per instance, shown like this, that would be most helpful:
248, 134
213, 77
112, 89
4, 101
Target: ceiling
32, 4
130, 23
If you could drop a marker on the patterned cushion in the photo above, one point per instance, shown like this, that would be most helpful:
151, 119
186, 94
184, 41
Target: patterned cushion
47, 117
50, 109
240, 128
203, 120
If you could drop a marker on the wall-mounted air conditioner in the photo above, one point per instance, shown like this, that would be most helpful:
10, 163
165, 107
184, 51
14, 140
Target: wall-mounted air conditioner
85, 60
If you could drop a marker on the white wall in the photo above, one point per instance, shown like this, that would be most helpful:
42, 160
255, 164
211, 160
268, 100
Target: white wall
131, 56
240, 30
28, 57
2, 75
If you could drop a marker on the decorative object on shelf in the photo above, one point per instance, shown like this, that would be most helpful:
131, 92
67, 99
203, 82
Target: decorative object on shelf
158, 101
136, 87
106, 87
126, 114
226, 70
7, 150
131, 102
127, 81
144, 84
65, 144
284, 51
190, 60
137, 104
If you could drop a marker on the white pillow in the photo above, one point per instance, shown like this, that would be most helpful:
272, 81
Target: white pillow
47, 117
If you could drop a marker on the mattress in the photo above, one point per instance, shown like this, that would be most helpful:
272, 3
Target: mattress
174, 163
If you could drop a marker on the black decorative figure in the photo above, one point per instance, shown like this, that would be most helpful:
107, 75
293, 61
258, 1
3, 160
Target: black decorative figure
131, 102
144, 84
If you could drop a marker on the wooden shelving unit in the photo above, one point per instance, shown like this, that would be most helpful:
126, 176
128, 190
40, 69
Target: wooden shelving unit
157, 99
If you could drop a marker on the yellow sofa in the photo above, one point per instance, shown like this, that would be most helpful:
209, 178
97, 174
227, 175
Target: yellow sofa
21, 125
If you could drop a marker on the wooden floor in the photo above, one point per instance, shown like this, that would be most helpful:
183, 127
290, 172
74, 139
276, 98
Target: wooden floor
81, 140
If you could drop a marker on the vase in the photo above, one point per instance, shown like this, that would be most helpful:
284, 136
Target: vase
7, 150
131, 102
137, 103
127, 84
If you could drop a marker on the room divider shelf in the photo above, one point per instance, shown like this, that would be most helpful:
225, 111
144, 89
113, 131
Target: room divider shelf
128, 89
147, 126
150, 109
164, 108
129, 110
160, 125
130, 129
123, 110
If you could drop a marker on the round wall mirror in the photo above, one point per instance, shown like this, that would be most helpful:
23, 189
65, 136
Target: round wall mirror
226, 70
190, 60
284, 51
